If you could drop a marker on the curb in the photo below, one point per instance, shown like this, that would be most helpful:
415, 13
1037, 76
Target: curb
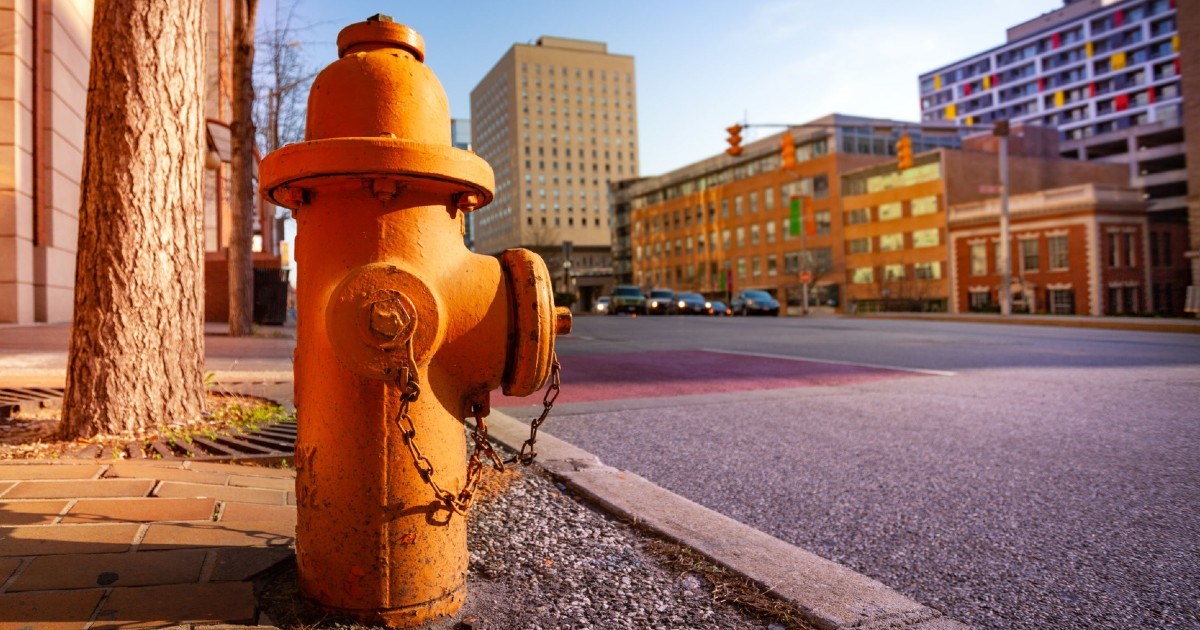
829, 595
1114, 323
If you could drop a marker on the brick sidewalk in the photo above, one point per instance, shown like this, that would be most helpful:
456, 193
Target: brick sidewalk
138, 544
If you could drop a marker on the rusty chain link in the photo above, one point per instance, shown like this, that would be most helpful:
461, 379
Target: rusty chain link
410, 389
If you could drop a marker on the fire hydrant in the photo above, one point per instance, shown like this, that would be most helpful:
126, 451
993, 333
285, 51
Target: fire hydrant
402, 332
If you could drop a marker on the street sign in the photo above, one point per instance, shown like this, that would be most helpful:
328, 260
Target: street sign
805, 277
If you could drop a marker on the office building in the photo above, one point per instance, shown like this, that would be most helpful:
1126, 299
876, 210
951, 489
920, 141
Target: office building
557, 120
1107, 75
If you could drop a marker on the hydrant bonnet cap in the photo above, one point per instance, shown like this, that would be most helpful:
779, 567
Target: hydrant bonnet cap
381, 31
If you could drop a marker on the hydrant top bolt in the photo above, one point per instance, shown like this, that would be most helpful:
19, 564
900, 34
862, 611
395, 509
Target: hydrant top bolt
379, 17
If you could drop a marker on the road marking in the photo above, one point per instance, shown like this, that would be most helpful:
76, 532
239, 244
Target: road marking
853, 363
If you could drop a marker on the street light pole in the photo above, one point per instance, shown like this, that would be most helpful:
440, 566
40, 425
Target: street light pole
1001, 131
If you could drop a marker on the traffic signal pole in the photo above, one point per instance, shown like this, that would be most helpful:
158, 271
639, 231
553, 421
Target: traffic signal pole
1001, 131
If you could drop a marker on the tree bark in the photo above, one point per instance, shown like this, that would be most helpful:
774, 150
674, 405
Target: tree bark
241, 255
137, 338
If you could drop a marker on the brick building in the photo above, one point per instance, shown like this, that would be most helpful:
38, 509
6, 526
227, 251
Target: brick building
1082, 249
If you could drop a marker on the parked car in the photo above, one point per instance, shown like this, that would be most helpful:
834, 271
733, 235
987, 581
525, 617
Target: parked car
691, 304
660, 302
755, 303
627, 299
719, 308
601, 304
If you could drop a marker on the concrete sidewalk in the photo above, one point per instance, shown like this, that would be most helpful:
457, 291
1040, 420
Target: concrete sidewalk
1145, 324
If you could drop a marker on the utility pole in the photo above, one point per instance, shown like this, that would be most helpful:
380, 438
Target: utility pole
1001, 131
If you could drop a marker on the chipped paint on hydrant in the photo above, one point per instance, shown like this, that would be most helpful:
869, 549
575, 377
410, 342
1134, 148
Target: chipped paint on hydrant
402, 332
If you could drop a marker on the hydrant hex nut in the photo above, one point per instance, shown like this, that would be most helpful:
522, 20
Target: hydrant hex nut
373, 312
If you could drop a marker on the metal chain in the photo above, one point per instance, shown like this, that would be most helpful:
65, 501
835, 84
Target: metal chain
527, 454
410, 387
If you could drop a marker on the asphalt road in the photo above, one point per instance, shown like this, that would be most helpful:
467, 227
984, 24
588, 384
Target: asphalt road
1026, 477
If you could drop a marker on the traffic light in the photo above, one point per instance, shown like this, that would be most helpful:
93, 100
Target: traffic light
788, 150
734, 140
904, 156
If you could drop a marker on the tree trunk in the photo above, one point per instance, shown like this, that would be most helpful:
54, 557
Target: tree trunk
137, 339
241, 255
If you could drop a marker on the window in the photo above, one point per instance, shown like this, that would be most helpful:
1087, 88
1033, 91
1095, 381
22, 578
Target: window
1061, 301
859, 246
924, 205
889, 211
741, 237
1058, 252
772, 265
928, 270
1029, 254
1114, 254
822, 259
737, 206
754, 234
893, 272
979, 259
861, 215
823, 222
741, 267
769, 227
980, 301
769, 199
753, 202
725, 239
891, 242
864, 275
1129, 259
791, 263
756, 266
926, 238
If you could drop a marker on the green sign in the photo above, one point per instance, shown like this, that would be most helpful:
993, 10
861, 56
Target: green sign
795, 225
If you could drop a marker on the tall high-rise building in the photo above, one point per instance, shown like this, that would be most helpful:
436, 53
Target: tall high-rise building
1107, 75
557, 120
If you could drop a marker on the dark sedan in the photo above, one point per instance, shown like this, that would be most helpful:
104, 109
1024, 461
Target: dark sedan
755, 303
692, 304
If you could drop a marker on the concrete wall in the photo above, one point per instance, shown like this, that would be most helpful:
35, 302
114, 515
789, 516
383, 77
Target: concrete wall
44, 51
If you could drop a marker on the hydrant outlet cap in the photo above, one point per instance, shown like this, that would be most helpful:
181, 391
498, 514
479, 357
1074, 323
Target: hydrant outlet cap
379, 31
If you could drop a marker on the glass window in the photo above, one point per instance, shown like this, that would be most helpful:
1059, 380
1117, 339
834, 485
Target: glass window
860, 246
924, 205
769, 227
889, 211
926, 238
725, 239
741, 267
928, 270
1058, 252
772, 265
1062, 301
754, 234
893, 272
979, 261
769, 199
864, 275
737, 206
741, 237
1129, 260
861, 215
756, 266
822, 259
823, 222
753, 202
1029, 254
891, 242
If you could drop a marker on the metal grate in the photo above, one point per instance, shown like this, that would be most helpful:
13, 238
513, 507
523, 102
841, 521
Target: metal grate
268, 445
28, 399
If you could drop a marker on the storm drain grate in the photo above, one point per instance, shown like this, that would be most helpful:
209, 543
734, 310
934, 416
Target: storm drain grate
28, 399
269, 444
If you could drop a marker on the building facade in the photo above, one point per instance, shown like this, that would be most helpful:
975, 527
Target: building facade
1076, 250
45, 48
557, 120
725, 224
896, 221
460, 138
1108, 75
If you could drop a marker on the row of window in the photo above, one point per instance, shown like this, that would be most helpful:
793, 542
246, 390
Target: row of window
917, 239
731, 238
816, 187
1028, 255
815, 260
566, 71
892, 210
931, 270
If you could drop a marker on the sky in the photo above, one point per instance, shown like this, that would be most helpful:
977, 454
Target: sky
702, 65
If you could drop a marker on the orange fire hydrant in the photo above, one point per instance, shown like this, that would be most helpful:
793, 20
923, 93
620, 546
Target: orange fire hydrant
402, 332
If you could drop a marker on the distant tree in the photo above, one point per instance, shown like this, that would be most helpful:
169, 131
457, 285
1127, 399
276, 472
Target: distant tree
282, 78
242, 193
137, 339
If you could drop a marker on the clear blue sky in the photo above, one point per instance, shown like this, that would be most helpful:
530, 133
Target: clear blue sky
703, 64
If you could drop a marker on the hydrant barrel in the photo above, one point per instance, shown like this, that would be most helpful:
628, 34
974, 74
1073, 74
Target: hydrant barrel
401, 331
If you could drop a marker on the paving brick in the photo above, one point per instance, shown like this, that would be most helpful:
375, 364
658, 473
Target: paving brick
63, 609
273, 483
233, 534
7, 566
19, 472
258, 512
219, 602
144, 568
238, 564
142, 471
30, 512
139, 510
224, 493
81, 489
41, 540
241, 469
